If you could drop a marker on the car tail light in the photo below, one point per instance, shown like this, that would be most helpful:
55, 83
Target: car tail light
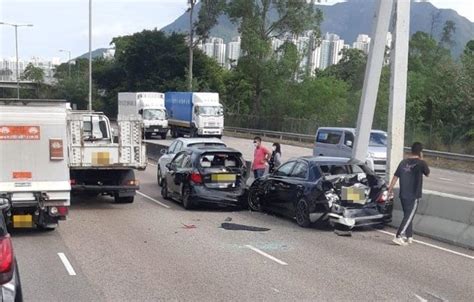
196, 177
6, 259
72, 181
63, 211
383, 197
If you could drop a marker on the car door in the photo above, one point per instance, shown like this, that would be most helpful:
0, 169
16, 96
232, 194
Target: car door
348, 143
171, 174
183, 169
295, 185
277, 185
167, 157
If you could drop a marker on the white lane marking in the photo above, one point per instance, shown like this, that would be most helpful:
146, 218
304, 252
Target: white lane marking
445, 179
154, 200
67, 264
266, 255
275, 290
432, 245
154, 165
420, 298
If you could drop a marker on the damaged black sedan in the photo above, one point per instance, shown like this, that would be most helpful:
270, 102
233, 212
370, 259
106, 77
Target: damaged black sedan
341, 191
212, 175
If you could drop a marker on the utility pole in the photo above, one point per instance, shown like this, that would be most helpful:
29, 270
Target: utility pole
372, 79
17, 73
90, 55
398, 87
68, 62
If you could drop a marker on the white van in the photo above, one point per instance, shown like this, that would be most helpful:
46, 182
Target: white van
338, 142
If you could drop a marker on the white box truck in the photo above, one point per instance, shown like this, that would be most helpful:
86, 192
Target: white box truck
150, 106
97, 164
34, 173
195, 113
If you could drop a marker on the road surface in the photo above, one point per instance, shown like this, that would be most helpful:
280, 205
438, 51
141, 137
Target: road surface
154, 250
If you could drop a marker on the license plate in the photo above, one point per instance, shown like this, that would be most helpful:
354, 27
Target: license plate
22, 221
223, 177
156, 130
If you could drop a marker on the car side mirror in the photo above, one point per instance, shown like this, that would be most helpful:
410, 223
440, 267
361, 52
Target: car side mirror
163, 151
169, 166
140, 111
349, 144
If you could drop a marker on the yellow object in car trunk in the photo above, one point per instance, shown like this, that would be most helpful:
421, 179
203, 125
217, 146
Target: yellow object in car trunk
223, 177
22, 221
353, 194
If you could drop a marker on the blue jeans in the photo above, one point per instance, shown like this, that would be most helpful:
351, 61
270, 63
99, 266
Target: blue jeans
258, 173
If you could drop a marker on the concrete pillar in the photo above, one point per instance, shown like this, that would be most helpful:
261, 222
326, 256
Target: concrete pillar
372, 78
398, 86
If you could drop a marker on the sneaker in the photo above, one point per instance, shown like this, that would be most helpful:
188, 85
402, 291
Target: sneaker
410, 240
399, 241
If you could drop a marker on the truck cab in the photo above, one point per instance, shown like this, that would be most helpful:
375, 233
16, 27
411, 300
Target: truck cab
150, 106
208, 118
195, 114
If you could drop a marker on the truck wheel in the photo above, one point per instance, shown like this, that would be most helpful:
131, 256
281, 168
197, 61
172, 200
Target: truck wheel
125, 199
163, 136
148, 135
174, 133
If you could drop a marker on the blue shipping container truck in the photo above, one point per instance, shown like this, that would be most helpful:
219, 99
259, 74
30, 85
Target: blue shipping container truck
194, 113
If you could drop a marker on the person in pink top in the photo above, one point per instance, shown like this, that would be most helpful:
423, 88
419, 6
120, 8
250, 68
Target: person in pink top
260, 158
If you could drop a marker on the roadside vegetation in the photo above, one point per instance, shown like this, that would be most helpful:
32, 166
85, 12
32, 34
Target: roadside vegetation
268, 89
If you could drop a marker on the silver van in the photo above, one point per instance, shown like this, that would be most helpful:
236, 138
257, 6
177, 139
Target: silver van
338, 142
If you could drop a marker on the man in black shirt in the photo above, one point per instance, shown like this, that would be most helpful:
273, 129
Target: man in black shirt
410, 171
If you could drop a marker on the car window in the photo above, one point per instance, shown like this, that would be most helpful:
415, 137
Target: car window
186, 162
179, 147
207, 145
316, 174
329, 137
300, 170
285, 169
172, 147
178, 160
221, 160
348, 139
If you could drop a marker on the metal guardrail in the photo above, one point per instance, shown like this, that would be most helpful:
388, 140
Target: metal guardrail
306, 138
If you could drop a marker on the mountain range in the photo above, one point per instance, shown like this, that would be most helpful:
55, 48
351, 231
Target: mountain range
353, 17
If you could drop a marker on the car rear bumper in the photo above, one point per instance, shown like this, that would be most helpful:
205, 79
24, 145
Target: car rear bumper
205, 195
97, 188
359, 217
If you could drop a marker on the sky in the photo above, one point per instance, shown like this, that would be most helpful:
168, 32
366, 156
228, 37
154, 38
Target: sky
63, 24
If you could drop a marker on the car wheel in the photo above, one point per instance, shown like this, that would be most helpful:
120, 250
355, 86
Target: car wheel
19, 290
253, 201
124, 199
185, 198
164, 190
302, 213
159, 177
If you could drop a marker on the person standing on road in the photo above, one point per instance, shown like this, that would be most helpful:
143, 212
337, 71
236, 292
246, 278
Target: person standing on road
410, 171
260, 158
275, 159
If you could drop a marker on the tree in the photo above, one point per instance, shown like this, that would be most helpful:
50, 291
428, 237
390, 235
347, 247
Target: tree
34, 74
199, 30
260, 21
152, 61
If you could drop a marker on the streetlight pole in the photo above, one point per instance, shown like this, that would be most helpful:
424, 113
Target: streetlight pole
16, 51
68, 62
90, 54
